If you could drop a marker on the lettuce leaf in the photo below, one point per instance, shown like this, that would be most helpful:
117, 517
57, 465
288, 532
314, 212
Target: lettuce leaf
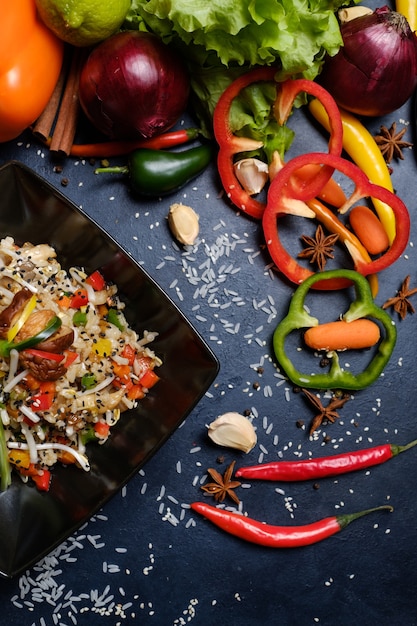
222, 38
295, 33
251, 113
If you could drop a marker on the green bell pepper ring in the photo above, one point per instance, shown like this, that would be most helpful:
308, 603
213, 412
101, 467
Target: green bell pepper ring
51, 328
161, 172
363, 306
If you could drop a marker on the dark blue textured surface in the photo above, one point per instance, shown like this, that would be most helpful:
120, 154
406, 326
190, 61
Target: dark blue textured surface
144, 558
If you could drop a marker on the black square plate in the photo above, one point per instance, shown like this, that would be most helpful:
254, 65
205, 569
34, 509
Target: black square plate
33, 523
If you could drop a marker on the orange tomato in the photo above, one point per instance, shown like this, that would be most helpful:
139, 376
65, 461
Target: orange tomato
30, 62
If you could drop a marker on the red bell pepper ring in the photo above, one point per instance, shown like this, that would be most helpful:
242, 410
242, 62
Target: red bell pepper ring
230, 144
289, 90
284, 199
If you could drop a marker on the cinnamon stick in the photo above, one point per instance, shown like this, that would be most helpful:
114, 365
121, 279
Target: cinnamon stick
66, 123
43, 125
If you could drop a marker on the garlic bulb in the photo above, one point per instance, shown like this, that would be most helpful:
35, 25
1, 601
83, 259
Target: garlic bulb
233, 430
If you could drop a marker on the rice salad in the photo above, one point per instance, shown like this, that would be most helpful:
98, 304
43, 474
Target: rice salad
69, 363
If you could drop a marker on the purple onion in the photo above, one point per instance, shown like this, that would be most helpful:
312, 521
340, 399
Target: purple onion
375, 71
133, 86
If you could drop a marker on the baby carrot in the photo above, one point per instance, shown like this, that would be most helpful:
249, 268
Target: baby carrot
331, 193
368, 229
342, 335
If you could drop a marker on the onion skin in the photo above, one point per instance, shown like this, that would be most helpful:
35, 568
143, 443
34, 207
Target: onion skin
133, 86
375, 72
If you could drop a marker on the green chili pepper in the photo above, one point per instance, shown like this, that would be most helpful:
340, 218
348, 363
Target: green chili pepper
161, 172
51, 327
88, 381
113, 318
363, 306
79, 318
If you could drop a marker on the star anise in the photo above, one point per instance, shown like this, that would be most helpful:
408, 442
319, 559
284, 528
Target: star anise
319, 248
391, 143
401, 303
325, 413
222, 486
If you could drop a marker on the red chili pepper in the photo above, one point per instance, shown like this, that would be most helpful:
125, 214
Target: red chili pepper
284, 199
310, 469
278, 536
230, 144
96, 281
120, 148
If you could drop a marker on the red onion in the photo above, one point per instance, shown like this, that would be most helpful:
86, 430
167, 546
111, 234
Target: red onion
133, 86
375, 72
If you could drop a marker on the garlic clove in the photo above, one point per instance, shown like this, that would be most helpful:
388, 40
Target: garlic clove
184, 223
252, 174
233, 430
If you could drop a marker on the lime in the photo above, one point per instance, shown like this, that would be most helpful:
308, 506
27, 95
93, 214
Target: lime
83, 22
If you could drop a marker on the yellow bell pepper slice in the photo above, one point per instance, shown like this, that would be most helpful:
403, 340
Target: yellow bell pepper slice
103, 347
